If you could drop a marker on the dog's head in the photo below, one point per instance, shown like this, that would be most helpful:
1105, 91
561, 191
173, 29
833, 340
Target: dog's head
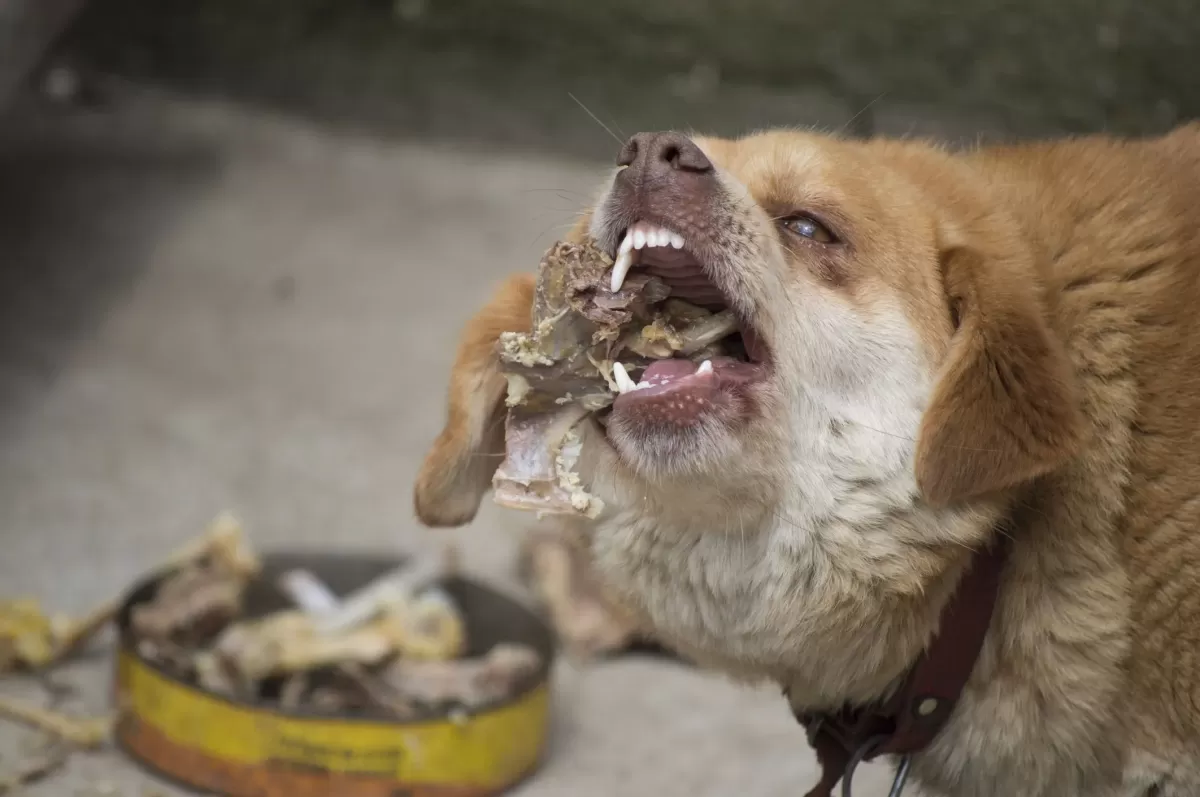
895, 357
890, 316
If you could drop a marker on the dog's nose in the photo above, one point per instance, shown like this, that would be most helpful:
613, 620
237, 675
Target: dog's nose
661, 154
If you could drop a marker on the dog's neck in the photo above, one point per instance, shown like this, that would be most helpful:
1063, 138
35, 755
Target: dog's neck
732, 599
829, 580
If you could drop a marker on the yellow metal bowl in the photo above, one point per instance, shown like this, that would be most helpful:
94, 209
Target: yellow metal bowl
242, 749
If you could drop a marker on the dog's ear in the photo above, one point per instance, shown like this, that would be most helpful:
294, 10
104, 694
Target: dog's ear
1005, 406
458, 469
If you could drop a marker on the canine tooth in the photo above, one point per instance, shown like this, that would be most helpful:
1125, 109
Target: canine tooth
705, 367
676, 240
621, 377
639, 238
626, 242
620, 269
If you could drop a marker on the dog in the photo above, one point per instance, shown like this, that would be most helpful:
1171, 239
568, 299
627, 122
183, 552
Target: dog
942, 349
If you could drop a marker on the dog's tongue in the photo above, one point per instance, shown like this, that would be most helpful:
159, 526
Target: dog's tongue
664, 370
680, 392
670, 393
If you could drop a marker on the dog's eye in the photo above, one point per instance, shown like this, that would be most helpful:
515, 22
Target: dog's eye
808, 227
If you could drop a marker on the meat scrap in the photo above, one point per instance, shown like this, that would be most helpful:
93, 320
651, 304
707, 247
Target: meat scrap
577, 320
399, 614
31, 639
191, 605
393, 646
538, 471
562, 369
466, 683
83, 733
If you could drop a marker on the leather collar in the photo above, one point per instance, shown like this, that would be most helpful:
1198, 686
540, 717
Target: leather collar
908, 722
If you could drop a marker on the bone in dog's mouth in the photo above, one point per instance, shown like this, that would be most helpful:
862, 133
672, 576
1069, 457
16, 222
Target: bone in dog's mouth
666, 255
643, 341
680, 391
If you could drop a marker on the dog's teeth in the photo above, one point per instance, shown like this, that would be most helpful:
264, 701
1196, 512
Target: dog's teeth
705, 367
620, 269
621, 377
626, 243
642, 236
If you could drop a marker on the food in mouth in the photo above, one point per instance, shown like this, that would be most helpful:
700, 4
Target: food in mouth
646, 332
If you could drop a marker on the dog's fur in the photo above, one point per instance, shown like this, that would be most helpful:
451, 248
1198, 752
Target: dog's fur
1006, 342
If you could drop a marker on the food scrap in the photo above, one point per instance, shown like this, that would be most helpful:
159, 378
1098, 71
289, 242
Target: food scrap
397, 647
471, 682
83, 733
32, 641
591, 335
394, 646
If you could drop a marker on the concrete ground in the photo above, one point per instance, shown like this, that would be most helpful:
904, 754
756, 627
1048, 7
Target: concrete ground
203, 308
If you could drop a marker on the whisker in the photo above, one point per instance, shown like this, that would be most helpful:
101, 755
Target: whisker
551, 212
914, 440
561, 226
854, 118
595, 118
563, 190
574, 197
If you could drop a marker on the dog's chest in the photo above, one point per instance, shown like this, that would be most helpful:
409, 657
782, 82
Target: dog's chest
696, 587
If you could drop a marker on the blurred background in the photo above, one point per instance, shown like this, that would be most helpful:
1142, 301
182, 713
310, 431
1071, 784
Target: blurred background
238, 238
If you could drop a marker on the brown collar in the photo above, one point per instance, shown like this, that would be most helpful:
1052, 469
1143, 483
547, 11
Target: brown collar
908, 722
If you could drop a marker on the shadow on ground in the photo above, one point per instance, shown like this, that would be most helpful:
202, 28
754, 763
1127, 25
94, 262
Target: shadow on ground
81, 213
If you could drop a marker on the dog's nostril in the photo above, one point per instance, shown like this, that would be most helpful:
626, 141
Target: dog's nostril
681, 153
628, 153
657, 152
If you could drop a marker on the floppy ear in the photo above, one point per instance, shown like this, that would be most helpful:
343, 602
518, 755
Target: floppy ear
458, 469
1005, 406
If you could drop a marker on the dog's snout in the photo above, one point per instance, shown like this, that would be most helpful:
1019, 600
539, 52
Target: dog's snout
667, 180
660, 154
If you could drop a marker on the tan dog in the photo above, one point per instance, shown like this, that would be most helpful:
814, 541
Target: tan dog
941, 348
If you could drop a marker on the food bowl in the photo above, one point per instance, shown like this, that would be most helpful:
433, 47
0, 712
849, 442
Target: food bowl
216, 744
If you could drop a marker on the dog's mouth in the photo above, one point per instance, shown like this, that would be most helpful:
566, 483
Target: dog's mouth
681, 393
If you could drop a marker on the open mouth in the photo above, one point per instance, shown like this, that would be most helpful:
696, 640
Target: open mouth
682, 392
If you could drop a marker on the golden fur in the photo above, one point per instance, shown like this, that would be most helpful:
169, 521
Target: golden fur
1007, 343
